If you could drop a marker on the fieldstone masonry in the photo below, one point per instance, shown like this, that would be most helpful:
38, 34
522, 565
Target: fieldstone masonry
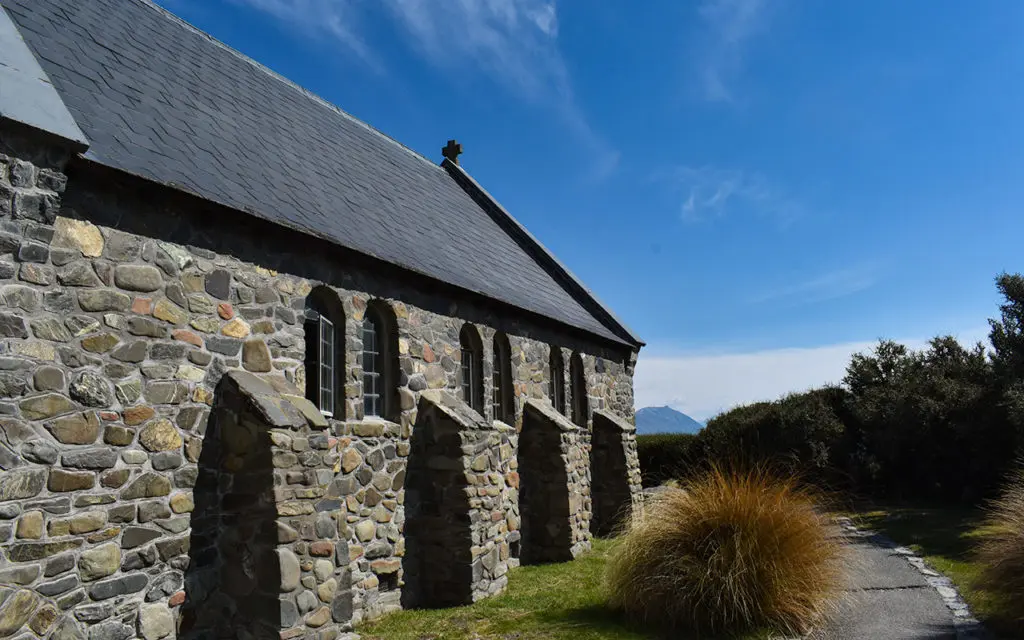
462, 511
267, 554
162, 474
615, 484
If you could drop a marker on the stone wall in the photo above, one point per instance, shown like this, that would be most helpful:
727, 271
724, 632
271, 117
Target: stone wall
122, 306
369, 491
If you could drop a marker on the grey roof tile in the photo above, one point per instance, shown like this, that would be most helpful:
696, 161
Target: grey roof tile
160, 99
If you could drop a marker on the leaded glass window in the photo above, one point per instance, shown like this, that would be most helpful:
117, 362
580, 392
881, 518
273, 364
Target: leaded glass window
557, 380
472, 363
326, 366
321, 360
373, 367
580, 407
501, 379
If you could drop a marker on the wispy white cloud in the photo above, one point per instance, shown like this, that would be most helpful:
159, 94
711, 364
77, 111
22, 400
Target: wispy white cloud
515, 42
729, 26
826, 286
336, 19
705, 384
710, 192
512, 42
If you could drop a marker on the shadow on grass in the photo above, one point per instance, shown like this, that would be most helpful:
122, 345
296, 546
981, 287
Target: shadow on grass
596, 617
937, 531
615, 624
946, 537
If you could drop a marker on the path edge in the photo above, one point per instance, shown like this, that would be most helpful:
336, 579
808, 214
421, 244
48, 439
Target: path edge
967, 627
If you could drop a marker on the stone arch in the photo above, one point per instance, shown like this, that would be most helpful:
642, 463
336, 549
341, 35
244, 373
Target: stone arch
324, 302
544, 508
471, 371
252, 497
380, 318
610, 492
578, 382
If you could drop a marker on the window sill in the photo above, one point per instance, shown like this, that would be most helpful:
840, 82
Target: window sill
371, 427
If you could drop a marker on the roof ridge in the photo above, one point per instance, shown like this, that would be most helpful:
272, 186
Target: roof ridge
287, 82
545, 253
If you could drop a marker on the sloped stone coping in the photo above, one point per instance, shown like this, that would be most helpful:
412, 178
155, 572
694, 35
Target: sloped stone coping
967, 626
545, 411
502, 426
625, 426
277, 401
455, 408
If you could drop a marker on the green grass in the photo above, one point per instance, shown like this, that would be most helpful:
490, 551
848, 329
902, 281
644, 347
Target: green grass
945, 537
549, 602
553, 602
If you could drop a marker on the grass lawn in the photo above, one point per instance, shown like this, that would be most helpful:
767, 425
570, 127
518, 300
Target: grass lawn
553, 602
547, 602
945, 537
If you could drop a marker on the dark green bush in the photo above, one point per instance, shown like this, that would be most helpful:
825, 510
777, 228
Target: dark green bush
798, 434
666, 456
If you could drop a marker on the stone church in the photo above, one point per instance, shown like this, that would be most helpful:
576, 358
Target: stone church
264, 371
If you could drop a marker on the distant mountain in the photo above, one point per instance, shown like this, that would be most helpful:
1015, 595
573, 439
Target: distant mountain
665, 420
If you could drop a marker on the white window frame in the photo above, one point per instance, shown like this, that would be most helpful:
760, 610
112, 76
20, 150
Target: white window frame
326, 356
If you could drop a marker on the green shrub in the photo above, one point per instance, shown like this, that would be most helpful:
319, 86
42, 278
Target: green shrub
666, 457
798, 433
728, 551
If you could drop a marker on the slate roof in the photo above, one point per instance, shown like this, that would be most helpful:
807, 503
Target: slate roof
160, 99
26, 93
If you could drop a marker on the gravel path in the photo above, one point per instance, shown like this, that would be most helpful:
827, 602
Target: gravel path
893, 595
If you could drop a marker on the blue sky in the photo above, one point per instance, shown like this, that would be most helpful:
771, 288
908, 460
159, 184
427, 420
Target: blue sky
758, 187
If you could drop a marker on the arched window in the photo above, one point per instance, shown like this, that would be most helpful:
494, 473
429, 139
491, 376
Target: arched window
503, 397
580, 407
557, 380
380, 365
472, 367
323, 324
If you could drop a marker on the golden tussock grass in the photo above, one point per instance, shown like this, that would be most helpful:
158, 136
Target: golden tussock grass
1001, 551
729, 551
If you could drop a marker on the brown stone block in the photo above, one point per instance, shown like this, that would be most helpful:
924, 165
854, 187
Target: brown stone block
30, 551
187, 336
385, 567
61, 480
148, 485
81, 523
137, 415
160, 435
142, 306
46, 406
